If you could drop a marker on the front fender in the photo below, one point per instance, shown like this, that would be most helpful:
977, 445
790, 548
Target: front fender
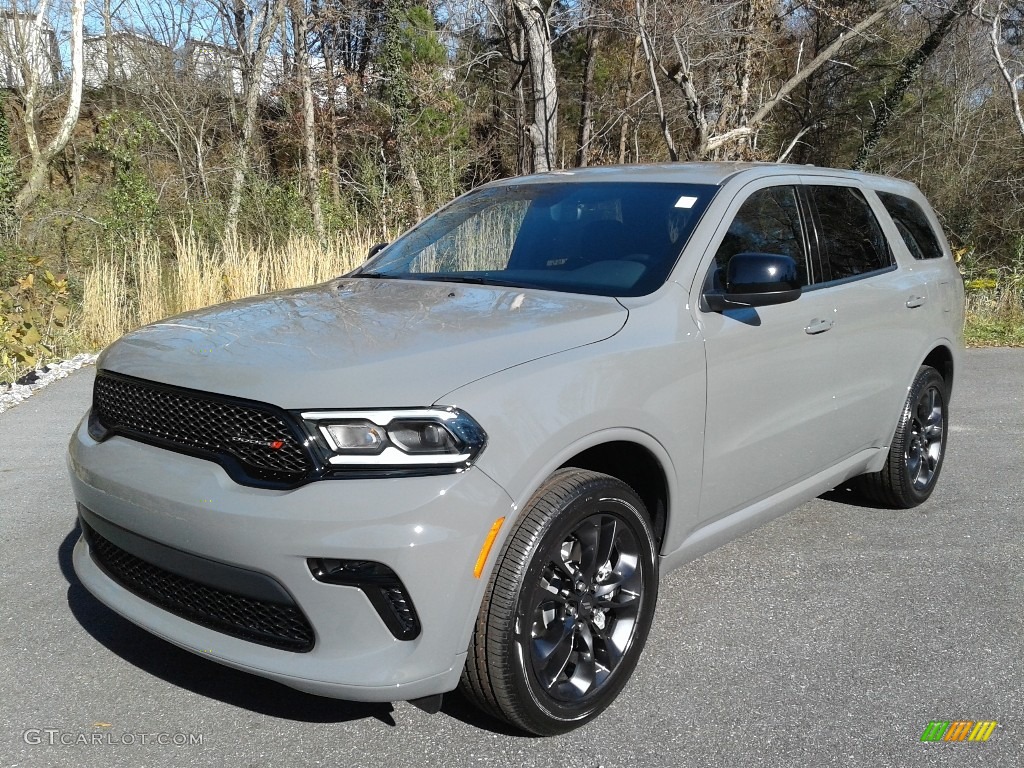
645, 385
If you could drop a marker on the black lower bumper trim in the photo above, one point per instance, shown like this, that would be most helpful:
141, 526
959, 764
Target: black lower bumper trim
238, 602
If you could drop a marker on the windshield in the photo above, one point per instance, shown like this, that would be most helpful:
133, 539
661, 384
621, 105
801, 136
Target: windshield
605, 238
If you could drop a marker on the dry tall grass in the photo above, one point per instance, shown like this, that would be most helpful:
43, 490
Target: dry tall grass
150, 281
106, 308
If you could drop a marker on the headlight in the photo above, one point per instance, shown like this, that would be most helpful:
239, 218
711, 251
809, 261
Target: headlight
415, 438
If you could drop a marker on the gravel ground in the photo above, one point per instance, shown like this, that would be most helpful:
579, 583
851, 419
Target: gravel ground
33, 381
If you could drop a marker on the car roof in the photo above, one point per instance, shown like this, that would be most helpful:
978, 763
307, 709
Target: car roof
695, 173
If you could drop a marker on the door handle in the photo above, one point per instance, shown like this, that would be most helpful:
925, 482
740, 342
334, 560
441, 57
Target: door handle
916, 301
818, 326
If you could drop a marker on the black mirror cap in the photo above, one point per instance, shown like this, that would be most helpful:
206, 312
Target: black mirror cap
375, 249
756, 280
761, 273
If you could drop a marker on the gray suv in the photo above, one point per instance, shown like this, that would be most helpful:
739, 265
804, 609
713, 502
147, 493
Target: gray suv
467, 463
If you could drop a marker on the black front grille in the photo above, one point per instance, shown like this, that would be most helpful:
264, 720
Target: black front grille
277, 625
251, 440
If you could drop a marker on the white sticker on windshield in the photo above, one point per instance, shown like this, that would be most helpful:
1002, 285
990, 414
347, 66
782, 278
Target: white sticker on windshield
686, 202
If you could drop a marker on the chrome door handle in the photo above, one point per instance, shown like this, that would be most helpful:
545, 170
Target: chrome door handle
818, 326
916, 301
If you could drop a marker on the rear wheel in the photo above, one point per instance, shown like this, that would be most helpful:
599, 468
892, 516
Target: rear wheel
918, 446
568, 608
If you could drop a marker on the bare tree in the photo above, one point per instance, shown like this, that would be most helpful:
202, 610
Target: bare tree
716, 60
532, 19
31, 97
626, 103
908, 71
586, 126
312, 166
185, 104
1014, 80
252, 28
650, 57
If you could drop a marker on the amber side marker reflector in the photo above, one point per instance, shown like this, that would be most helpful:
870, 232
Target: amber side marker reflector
485, 550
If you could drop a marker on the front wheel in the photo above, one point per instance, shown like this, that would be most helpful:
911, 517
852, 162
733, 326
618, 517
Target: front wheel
568, 608
918, 446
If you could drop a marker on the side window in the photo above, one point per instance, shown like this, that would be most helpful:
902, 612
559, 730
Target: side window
852, 242
913, 225
767, 222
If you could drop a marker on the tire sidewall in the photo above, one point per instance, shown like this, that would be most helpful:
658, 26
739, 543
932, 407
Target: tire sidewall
602, 497
926, 377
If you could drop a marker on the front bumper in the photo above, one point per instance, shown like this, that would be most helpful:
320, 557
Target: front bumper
428, 530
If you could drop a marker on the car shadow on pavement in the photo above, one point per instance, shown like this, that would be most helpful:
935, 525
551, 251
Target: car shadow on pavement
848, 494
194, 673
458, 708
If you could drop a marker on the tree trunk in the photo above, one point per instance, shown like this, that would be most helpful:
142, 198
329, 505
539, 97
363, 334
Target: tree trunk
108, 42
407, 161
627, 100
1013, 80
41, 158
586, 132
300, 22
517, 51
666, 132
254, 61
330, 73
749, 20
543, 131
912, 64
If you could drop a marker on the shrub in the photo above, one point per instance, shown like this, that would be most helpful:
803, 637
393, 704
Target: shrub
34, 314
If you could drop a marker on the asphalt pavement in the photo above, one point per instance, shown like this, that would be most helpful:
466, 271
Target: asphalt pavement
832, 636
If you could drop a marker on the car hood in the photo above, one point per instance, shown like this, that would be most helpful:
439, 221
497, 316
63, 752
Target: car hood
361, 343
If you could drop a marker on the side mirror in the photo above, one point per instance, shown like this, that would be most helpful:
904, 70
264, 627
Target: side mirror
375, 249
756, 280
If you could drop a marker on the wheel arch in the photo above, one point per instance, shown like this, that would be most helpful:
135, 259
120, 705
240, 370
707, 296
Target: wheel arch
941, 359
636, 466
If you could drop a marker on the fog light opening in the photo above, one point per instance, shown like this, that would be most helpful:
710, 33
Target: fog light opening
381, 585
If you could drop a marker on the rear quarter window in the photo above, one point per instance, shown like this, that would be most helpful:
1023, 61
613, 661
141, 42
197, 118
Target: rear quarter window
913, 225
851, 240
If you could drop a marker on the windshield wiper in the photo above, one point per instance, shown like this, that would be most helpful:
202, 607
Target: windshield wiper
470, 280
454, 279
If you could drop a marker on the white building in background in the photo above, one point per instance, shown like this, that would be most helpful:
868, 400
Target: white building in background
280, 73
138, 58
134, 57
214, 64
17, 55
222, 66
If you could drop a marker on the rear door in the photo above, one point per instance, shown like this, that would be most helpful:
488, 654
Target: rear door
875, 307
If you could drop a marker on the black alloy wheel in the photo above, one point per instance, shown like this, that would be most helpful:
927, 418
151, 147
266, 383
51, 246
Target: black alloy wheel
568, 608
918, 446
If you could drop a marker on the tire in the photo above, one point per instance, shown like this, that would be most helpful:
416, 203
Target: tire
918, 446
567, 610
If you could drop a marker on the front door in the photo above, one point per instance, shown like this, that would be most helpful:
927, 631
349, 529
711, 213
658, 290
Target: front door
770, 401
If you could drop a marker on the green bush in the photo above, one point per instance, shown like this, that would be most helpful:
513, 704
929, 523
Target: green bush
34, 313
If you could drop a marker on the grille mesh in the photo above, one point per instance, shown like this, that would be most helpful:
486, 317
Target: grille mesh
273, 624
194, 422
